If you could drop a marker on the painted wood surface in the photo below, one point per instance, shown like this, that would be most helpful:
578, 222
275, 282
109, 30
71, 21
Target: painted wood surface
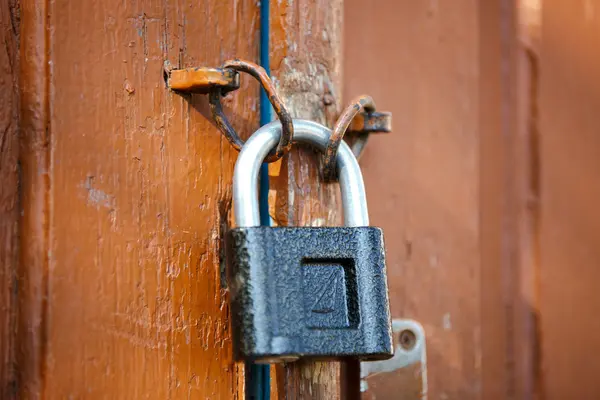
9, 191
127, 192
126, 196
419, 60
569, 100
446, 187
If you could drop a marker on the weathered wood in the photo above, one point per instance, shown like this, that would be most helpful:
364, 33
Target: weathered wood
9, 192
306, 67
35, 182
569, 100
126, 196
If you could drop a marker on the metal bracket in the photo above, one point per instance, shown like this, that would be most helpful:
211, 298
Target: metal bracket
201, 79
371, 122
408, 366
219, 81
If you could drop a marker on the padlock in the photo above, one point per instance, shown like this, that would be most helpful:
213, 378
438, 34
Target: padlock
318, 292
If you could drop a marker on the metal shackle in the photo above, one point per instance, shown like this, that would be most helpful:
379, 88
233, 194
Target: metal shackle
256, 149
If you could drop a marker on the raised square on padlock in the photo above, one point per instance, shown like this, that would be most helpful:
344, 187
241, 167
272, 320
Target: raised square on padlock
330, 293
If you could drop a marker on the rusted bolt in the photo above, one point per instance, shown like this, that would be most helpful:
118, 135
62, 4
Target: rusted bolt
408, 339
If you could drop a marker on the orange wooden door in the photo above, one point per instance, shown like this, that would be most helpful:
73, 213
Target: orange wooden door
123, 192
490, 197
425, 62
569, 224
125, 196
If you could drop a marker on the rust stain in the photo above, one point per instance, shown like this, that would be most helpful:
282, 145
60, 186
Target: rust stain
374, 122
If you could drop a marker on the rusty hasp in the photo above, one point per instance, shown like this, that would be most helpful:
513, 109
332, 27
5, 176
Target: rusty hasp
371, 122
361, 119
202, 79
256, 71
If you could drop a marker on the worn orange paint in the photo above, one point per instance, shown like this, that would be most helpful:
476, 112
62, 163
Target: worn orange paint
126, 196
34, 161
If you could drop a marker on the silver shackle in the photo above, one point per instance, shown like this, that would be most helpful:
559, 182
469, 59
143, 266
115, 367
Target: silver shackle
247, 168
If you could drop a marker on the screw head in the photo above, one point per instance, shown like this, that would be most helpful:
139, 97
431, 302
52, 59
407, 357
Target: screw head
408, 339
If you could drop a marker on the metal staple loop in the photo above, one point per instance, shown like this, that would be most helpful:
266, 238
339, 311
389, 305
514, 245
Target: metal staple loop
363, 102
285, 143
216, 82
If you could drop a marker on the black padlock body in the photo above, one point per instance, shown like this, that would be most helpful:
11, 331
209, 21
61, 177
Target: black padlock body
317, 292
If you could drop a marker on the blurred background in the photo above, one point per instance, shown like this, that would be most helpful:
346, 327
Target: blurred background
492, 205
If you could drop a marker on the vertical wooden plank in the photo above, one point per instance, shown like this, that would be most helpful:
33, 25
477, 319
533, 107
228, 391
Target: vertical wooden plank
456, 200
570, 195
9, 192
35, 183
506, 319
306, 68
527, 372
420, 60
122, 228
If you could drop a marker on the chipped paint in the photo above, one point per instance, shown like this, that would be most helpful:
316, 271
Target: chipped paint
447, 322
95, 196
99, 198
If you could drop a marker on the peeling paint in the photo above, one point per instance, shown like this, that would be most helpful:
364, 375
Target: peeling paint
97, 197
447, 322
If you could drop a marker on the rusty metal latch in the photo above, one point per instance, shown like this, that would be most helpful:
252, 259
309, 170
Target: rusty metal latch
371, 122
359, 120
201, 80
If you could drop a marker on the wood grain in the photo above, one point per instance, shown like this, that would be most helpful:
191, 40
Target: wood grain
35, 183
306, 67
121, 290
9, 192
